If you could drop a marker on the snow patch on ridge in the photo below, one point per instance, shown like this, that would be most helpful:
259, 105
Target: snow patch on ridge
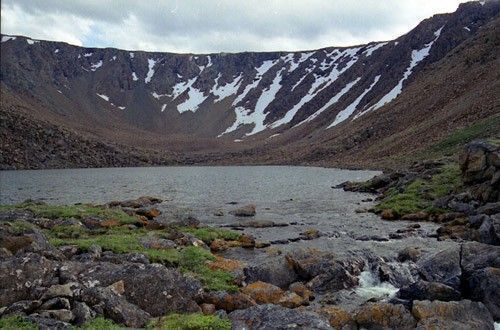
195, 98
181, 87
261, 70
7, 38
228, 89
87, 54
347, 112
95, 66
134, 76
369, 51
151, 71
103, 96
416, 57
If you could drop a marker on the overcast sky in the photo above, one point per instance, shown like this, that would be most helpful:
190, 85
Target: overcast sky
202, 26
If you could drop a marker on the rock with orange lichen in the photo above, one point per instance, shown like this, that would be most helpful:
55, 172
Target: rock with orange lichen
228, 301
338, 317
228, 265
384, 315
264, 293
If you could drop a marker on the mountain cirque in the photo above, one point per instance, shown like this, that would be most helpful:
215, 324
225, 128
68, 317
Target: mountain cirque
333, 106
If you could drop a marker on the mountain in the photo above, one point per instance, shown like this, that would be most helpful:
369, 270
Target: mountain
368, 105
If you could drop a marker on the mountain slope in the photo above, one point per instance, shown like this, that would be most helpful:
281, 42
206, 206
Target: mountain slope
352, 104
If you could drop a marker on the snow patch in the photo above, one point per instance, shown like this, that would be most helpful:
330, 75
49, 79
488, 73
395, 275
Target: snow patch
104, 97
113, 58
181, 87
257, 117
59, 91
157, 96
416, 57
122, 108
347, 112
7, 38
332, 101
227, 90
466, 28
261, 70
56, 51
31, 41
131, 54
195, 98
163, 107
151, 71
87, 54
369, 51
134, 76
95, 66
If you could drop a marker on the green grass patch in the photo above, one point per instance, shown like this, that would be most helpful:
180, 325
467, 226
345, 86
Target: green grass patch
420, 194
72, 211
17, 322
19, 226
100, 323
190, 322
208, 234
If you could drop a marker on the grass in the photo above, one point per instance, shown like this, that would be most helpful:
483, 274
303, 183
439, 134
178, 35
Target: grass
420, 194
17, 322
72, 211
190, 322
209, 234
100, 323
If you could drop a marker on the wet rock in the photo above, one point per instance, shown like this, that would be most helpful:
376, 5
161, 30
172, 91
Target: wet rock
263, 293
245, 211
463, 314
149, 213
81, 313
384, 316
309, 263
310, 234
489, 231
397, 274
423, 290
218, 213
477, 256
388, 214
228, 301
484, 285
410, 253
275, 271
172, 221
270, 316
19, 276
339, 318
115, 307
302, 290
475, 221
247, 241
208, 309
418, 216
375, 238
169, 292
258, 224
443, 267
142, 201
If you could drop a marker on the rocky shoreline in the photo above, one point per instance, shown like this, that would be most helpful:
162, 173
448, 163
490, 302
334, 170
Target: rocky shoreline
135, 264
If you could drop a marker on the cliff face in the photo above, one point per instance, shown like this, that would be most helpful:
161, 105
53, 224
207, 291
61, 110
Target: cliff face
211, 101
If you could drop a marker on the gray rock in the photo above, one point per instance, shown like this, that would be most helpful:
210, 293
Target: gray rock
381, 315
151, 242
60, 290
484, 285
56, 303
477, 256
489, 209
275, 271
63, 315
463, 315
270, 316
489, 231
49, 323
244, 211
423, 290
81, 312
475, 221
22, 307
443, 267
115, 307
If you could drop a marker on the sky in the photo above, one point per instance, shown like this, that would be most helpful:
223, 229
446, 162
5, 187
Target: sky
212, 26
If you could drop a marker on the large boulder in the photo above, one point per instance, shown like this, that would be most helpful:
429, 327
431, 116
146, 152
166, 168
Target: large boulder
477, 256
170, 291
270, 316
244, 211
443, 267
140, 202
264, 293
484, 285
463, 314
384, 316
20, 277
115, 307
423, 290
489, 231
228, 301
275, 271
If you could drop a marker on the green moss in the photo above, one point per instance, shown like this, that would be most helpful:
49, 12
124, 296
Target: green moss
191, 322
17, 322
73, 211
19, 226
420, 194
100, 323
208, 234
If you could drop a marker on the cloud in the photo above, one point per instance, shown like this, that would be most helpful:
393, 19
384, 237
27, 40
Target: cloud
201, 26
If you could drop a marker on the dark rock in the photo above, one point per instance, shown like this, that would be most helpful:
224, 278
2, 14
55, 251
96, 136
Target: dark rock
136, 203
245, 211
310, 234
115, 307
410, 253
19, 276
489, 209
63, 315
276, 317
443, 267
489, 231
475, 221
56, 303
463, 314
372, 238
44, 323
22, 307
275, 271
423, 290
484, 285
418, 216
119, 258
478, 256
384, 316
151, 242
81, 312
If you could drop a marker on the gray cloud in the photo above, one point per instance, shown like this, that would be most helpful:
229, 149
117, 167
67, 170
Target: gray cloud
202, 26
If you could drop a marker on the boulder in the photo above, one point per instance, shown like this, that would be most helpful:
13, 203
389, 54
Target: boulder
244, 211
484, 285
275, 271
410, 253
463, 314
489, 231
270, 316
82, 313
115, 307
63, 315
477, 256
443, 267
382, 315
152, 242
339, 318
263, 293
142, 201
148, 212
169, 292
423, 290
44, 323
301, 290
21, 276
228, 301
22, 307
